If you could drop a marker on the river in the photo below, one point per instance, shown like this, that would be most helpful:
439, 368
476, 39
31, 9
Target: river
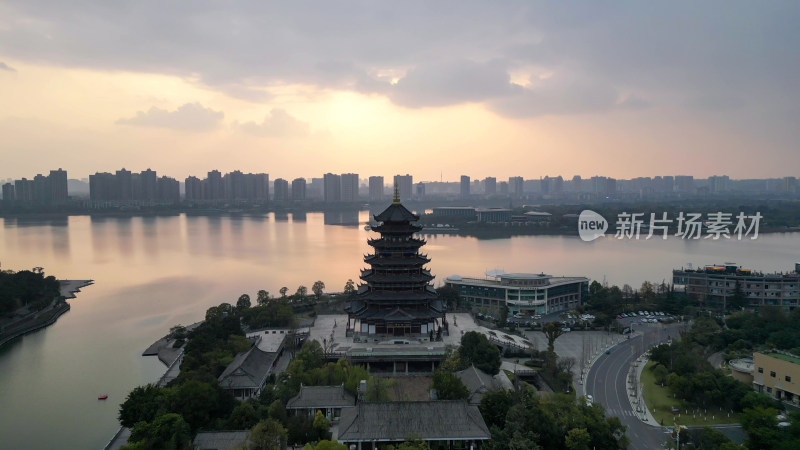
154, 272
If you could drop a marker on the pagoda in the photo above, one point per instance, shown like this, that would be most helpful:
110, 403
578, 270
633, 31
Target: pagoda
397, 298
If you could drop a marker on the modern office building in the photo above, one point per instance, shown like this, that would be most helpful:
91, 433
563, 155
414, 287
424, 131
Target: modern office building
715, 285
493, 215
521, 293
376, 189
403, 183
463, 212
349, 187
298, 189
777, 374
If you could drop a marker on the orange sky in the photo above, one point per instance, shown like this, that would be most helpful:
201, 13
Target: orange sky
478, 111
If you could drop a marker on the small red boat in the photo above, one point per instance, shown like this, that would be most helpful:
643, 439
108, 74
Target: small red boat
102, 397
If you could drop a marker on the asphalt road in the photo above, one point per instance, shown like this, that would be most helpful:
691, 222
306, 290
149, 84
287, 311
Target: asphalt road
606, 382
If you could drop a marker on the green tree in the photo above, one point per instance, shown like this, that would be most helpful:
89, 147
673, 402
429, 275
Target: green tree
494, 407
577, 439
311, 355
321, 426
262, 297
283, 291
660, 373
325, 445
243, 302
477, 350
301, 293
761, 426
449, 387
243, 417
349, 288
167, 431
377, 390
267, 435
552, 330
317, 288
738, 300
143, 404
412, 442
450, 296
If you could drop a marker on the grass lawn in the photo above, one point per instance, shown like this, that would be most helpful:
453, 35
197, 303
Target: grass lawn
660, 401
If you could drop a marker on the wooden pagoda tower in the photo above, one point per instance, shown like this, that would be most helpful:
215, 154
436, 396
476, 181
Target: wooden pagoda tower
397, 298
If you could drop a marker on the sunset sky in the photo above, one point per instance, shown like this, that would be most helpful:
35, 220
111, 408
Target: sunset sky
622, 88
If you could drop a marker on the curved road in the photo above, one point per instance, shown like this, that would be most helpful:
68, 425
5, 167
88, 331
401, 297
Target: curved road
606, 382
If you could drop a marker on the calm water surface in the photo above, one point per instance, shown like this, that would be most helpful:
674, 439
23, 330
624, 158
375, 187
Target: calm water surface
154, 272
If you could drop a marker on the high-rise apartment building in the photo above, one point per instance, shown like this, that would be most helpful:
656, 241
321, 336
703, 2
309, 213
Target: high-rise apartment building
465, 186
193, 187
515, 186
332, 189
281, 191
58, 186
403, 184
299, 189
376, 189
349, 187
490, 186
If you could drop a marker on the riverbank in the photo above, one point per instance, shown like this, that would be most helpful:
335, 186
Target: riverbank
33, 321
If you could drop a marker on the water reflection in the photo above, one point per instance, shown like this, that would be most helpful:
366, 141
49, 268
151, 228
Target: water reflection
153, 272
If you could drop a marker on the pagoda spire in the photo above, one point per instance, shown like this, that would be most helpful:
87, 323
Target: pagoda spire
396, 200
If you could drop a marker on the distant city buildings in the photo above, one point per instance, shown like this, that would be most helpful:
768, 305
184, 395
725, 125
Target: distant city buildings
465, 186
123, 187
41, 191
349, 187
299, 190
376, 189
490, 186
332, 188
281, 188
403, 184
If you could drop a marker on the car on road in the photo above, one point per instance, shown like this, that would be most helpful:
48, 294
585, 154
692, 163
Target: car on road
608, 352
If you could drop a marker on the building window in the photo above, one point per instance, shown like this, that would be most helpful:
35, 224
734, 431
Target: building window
769, 389
788, 378
760, 370
772, 374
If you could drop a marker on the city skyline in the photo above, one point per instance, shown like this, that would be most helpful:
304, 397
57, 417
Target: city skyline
521, 88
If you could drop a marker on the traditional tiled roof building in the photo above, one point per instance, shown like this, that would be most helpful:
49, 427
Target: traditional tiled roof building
397, 298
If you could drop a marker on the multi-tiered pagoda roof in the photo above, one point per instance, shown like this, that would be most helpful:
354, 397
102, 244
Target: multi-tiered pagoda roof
397, 297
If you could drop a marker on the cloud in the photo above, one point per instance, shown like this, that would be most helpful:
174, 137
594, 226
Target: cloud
557, 95
449, 83
278, 123
191, 116
4, 66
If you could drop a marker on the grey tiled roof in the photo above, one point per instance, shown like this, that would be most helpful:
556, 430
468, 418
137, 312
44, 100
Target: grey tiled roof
395, 421
478, 382
321, 397
219, 440
248, 369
